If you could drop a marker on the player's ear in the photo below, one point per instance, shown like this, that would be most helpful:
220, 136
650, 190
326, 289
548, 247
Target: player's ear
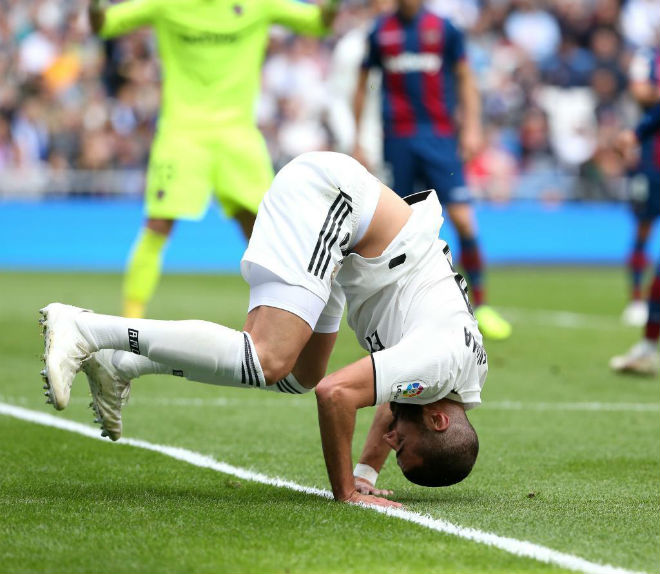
437, 420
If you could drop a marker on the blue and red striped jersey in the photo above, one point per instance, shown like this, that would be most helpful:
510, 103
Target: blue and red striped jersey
418, 59
646, 68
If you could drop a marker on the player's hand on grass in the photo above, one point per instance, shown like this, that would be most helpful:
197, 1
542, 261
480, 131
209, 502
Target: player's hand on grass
359, 498
363, 486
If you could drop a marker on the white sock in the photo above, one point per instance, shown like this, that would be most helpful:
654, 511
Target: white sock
289, 385
131, 366
198, 350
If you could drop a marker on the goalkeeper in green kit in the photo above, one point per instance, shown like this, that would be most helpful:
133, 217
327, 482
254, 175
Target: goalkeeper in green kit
211, 53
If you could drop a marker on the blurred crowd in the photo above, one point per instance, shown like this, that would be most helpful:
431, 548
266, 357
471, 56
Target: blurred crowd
78, 115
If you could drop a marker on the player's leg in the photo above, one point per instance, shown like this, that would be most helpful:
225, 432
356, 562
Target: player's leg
242, 172
178, 187
144, 265
644, 357
399, 163
289, 305
462, 217
198, 350
443, 170
110, 373
646, 208
636, 312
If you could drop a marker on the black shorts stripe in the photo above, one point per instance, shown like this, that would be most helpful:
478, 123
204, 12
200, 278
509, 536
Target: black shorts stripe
328, 250
418, 196
329, 233
332, 234
328, 218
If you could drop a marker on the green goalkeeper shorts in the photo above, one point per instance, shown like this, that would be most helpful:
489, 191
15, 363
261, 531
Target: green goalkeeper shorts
186, 167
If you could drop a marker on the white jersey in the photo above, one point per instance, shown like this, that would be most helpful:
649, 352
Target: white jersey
407, 306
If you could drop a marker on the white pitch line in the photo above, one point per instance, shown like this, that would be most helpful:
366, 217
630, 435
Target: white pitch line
564, 319
520, 548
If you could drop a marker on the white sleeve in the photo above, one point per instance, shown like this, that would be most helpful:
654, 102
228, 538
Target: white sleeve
330, 317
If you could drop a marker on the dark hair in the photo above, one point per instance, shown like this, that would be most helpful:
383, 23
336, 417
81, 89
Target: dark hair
448, 456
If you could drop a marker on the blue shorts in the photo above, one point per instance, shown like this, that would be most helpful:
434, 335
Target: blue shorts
644, 193
425, 162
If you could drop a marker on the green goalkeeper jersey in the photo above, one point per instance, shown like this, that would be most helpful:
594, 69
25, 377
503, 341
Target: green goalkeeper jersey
211, 52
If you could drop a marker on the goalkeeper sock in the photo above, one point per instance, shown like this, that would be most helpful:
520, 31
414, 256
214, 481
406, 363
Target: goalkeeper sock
143, 272
198, 350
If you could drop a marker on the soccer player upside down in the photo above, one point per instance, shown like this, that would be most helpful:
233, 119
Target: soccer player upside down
327, 232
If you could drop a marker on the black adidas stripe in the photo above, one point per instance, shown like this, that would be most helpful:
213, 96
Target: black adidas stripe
329, 233
339, 218
328, 217
287, 387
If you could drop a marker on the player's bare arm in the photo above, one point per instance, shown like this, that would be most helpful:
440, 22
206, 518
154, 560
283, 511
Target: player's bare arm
340, 394
471, 135
374, 453
338, 397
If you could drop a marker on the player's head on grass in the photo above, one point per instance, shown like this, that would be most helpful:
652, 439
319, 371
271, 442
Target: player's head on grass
435, 444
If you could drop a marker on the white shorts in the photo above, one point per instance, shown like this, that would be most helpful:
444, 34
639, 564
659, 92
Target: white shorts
318, 207
268, 289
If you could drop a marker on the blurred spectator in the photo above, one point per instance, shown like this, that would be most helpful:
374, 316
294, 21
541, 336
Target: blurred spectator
571, 66
640, 22
541, 176
533, 29
550, 71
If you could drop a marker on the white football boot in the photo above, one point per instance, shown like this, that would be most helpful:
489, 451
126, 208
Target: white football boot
635, 314
643, 359
64, 350
109, 392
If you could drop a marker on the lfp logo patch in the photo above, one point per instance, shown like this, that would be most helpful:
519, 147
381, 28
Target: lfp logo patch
412, 390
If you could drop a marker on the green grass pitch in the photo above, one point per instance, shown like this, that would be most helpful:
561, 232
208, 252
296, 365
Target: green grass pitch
570, 453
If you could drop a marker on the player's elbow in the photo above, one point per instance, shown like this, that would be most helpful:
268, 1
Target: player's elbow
328, 390
332, 391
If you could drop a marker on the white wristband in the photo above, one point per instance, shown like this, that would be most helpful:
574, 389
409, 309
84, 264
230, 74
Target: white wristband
366, 472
